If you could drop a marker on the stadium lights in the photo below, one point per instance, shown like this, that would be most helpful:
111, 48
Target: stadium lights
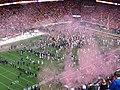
25, 2
20, 2
47, 0
102, 1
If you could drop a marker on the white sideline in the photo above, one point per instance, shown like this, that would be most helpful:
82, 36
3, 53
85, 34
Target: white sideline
30, 35
21, 37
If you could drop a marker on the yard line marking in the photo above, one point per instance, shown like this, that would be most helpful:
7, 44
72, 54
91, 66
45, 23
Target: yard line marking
5, 85
11, 80
17, 75
17, 57
24, 66
3, 73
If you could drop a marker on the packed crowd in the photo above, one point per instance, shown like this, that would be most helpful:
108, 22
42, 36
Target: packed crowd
14, 21
19, 18
108, 83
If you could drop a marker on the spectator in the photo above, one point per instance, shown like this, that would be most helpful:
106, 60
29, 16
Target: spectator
104, 85
115, 85
84, 87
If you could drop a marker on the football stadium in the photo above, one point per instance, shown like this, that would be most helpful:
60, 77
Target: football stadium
59, 44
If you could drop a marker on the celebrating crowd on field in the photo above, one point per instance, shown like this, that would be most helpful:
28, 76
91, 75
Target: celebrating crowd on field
50, 17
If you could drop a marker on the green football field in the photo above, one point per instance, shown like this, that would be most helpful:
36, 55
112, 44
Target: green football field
33, 72
10, 74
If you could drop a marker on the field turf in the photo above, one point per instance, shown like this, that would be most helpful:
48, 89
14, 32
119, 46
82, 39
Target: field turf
10, 75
